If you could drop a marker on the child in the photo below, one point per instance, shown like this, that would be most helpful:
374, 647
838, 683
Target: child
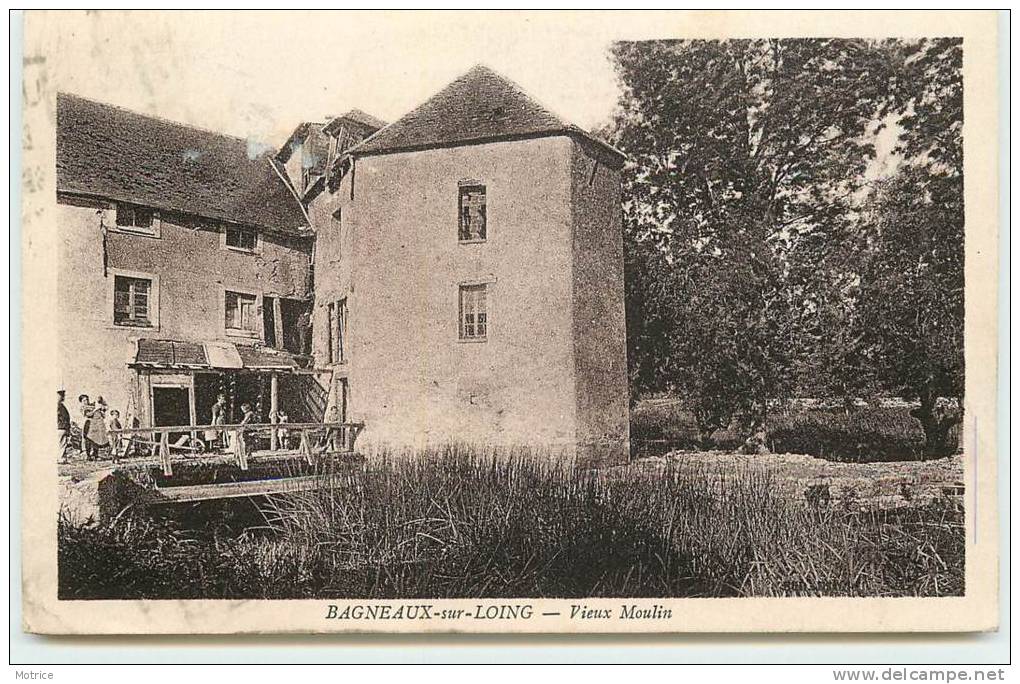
282, 433
130, 443
116, 441
331, 440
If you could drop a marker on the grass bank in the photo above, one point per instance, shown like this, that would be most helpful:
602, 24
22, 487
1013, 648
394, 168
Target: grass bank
871, 434
452, 523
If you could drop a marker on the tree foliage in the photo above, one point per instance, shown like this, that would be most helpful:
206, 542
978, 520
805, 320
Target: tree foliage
758, 255
912, 279
739, 152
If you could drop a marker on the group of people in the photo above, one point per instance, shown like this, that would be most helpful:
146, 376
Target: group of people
97, 420
215, 439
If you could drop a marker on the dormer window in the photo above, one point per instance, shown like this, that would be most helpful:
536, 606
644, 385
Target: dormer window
134, 218
471, 212
241, 238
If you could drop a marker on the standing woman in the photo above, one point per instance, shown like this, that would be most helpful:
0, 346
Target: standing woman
97, 436
247, 417
218, 417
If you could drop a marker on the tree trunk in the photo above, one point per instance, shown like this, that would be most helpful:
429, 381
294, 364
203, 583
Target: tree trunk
705, 438
849, 403
936, 424
755, 443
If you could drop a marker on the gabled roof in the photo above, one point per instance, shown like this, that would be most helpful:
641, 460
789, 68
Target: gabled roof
109, 152
357, 116
309, 134
480, 106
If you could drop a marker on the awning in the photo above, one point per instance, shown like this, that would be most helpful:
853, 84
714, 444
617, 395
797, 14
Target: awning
266, 358
211, 355
170, 354
222, 355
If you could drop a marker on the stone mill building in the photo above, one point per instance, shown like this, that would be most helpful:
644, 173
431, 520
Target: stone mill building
453, 276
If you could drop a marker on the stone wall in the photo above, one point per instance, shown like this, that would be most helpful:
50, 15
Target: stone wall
600, 335
413, 381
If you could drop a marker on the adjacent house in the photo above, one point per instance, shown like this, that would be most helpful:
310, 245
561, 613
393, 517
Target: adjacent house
185, 268
456, 275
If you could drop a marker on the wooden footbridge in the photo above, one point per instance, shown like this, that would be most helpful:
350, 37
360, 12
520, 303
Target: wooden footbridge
295, 449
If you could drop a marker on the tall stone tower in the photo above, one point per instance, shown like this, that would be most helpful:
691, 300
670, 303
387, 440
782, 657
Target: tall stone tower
472, 271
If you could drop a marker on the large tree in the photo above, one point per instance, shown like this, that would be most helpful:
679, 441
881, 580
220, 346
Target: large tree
738, 152
911, 311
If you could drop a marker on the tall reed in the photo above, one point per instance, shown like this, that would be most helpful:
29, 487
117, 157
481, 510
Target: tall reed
462, 521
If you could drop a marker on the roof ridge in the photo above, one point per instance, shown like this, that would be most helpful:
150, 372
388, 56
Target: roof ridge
567, 124
479, 105
161, 119
524, 93
421, 105
407, 114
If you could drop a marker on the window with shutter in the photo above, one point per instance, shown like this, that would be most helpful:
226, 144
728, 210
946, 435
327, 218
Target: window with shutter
131, 301
240, 312
474, 314
337, 313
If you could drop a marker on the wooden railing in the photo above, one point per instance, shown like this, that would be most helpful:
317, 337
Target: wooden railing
334, 438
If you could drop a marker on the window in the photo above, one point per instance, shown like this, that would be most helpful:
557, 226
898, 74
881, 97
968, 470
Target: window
337, 312
239, 311
338, 226
474, 316
131, 298
471, 212
240, 238
269, 322
137, 219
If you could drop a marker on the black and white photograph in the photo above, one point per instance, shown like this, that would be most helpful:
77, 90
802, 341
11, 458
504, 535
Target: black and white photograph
561, 341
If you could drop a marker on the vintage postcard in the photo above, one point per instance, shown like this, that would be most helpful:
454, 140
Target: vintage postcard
509, 322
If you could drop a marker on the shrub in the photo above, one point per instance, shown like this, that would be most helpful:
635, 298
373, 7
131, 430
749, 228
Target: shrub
866, 435
873, 434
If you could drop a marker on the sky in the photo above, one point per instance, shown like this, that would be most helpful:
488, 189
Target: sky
259, 74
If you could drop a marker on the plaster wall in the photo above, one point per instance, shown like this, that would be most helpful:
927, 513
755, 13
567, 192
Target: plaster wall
193, 267
412, 380
600, 335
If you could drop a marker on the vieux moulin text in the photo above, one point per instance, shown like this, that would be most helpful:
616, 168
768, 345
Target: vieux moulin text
495, 611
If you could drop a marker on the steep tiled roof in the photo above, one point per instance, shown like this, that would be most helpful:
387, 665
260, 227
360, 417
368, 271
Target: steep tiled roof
110, 152
311, 136
358, 117
480, 106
